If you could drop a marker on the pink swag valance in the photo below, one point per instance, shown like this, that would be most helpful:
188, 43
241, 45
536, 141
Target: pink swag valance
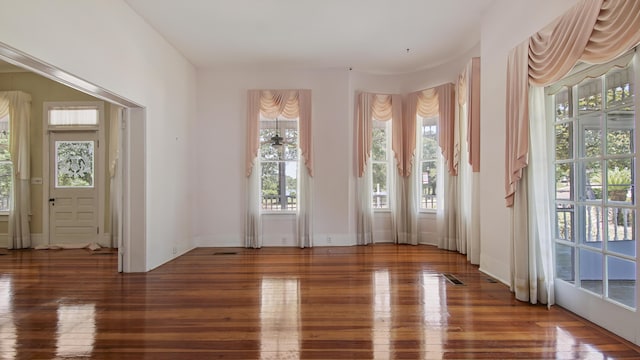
593, 31
270, 104
438, 101
469, 94
381, 107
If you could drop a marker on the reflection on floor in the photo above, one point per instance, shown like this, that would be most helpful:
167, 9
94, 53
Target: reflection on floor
367, 302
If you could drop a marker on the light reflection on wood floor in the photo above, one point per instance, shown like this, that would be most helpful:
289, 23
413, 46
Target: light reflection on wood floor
374, 302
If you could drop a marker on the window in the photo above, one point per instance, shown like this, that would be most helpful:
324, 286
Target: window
428, 161
73, 115
594, 167
279, 164
6, 166
381, 163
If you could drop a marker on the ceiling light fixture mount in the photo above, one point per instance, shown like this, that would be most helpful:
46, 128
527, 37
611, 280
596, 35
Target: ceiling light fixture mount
276, 140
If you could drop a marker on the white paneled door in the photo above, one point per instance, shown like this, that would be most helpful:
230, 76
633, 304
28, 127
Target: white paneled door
73, 187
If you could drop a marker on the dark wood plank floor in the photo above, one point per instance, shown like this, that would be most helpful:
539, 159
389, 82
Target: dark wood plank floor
374, 302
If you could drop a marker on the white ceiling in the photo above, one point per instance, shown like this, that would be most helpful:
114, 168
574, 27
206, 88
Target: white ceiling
367, 35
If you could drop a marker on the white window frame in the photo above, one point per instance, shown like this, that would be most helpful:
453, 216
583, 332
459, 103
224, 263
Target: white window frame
577, 160
282, 125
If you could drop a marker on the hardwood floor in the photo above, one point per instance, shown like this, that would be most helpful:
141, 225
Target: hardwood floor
374, 302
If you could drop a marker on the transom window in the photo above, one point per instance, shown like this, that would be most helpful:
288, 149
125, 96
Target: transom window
279, 163
380, 163
73, 115
428, 161
595, 207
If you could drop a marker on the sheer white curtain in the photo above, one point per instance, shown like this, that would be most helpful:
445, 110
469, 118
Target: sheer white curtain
532, 253
447, 199
407, 185
597, 31
435, 102
17, 105
304, 211
406, 217
468, 120
290, 104
440, 102
115, 121
382, 107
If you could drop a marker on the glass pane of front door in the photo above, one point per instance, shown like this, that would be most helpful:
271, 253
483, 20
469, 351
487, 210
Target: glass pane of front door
74, 164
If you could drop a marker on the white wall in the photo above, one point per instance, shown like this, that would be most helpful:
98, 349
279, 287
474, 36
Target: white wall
505, 25
106, 43
220, 186
220, 144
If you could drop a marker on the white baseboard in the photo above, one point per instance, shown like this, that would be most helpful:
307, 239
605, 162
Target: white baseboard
274, 240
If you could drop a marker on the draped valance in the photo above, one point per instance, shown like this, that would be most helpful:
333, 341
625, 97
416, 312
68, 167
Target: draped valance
270, 104
438, 101
469, 94
381, 107
593, 31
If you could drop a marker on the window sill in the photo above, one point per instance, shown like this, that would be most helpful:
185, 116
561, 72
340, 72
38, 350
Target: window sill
382, 211
427, 211
279, 213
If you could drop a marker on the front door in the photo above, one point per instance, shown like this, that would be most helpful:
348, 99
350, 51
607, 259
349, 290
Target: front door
73, 191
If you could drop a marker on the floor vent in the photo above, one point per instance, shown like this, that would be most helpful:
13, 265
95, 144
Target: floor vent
225, 253
452, 279
103, 253
492, 280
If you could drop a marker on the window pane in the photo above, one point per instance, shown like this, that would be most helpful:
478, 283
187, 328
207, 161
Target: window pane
267, 151
4, 138
291, 144
562, 105
380, 194
270, 185
590, 96
621, 280
592, 139
279, 178
619, 180
291, 171
620, 88
619, 141
429, 177
5, 185
564, 181
564, 222
429, 142
379, 144
592, 226
592, 178
564, 141
591, 271
73, 117
621, 231
565, 260
74, 164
